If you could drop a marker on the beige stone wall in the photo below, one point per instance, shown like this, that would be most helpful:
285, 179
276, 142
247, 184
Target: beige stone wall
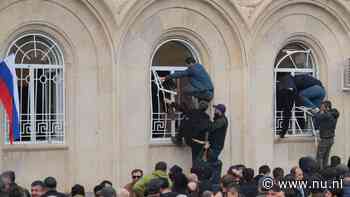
108, 47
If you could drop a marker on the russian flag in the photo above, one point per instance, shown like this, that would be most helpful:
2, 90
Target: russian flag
9, 96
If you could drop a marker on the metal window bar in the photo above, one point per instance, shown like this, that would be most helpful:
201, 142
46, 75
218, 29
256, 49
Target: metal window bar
163, 126
295, 129
41, 90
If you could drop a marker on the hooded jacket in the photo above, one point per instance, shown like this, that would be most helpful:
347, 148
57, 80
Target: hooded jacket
140, 186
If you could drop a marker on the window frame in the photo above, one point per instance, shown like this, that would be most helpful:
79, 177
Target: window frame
58, 69
171, 69
293, 124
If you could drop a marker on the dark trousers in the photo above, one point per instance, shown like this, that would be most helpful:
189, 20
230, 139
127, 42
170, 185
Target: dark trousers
216, 166
196, 149
323, 150
285, 101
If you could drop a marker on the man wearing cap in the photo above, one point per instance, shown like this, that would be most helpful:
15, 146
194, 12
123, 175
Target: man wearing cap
217, 131
216, 138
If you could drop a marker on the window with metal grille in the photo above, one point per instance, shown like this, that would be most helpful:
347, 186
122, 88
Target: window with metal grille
168, 58
40, 76
295, 59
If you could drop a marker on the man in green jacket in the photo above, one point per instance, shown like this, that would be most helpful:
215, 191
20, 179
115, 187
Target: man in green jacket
159, 172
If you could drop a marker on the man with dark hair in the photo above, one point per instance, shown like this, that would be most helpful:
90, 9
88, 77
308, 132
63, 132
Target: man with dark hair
78, 191
165, 189
106, 183
153, 188
136, 175
248, 186
97, 188
278, 174
201, 86
327, 119
264, 170
335, 160
107, 191
37, 188
11, 187
51, 185
160, 171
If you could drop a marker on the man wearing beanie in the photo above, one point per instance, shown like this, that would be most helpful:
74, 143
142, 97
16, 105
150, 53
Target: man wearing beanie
216, 138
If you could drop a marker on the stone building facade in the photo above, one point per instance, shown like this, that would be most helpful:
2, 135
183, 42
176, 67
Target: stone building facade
108, 47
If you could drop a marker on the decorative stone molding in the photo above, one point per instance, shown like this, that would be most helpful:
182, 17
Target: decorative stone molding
248, 6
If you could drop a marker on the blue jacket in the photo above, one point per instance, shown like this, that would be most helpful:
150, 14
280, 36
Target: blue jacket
199, 78
305, 81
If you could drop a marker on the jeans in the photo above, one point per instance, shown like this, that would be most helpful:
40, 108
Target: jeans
200, 94
313, 96
216, 166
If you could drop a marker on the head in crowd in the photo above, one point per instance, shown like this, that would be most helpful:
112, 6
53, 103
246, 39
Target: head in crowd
226, 181
207, 194
106, 183
153, 188
107, 192
8, 177
275, 191
136, 175
297, 173
278, 174
173, 171
77, 190
164, 185
192, 177
248, 175
161, 166
232, 191
264, 170
308, 164
50, 183
37, 188
236, 172
335, 160
190, 61
97, 188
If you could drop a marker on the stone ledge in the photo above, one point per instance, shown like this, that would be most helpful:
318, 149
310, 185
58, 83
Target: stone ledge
33, 147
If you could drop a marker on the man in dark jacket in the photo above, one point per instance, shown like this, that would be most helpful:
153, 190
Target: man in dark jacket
216, 138
286, 94
193, 128
51, 184
200, 85
310, 90
327, 119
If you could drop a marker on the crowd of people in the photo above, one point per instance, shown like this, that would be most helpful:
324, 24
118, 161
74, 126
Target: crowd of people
238, 181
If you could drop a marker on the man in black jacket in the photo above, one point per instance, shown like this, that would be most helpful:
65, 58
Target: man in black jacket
216, 138
327, 120
51, 184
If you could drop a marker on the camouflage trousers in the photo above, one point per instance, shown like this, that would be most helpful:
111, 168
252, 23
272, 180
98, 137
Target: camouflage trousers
323, 150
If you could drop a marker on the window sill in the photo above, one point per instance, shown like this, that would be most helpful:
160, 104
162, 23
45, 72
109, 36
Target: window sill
161, 142
294, 139
33, 147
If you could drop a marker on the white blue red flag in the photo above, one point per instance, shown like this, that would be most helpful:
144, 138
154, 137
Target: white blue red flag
9, 96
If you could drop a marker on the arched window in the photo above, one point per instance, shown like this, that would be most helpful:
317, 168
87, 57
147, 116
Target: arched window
293, 59
169, 58
40, 76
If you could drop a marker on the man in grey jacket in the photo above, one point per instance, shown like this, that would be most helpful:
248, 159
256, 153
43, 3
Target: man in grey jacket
327, 120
